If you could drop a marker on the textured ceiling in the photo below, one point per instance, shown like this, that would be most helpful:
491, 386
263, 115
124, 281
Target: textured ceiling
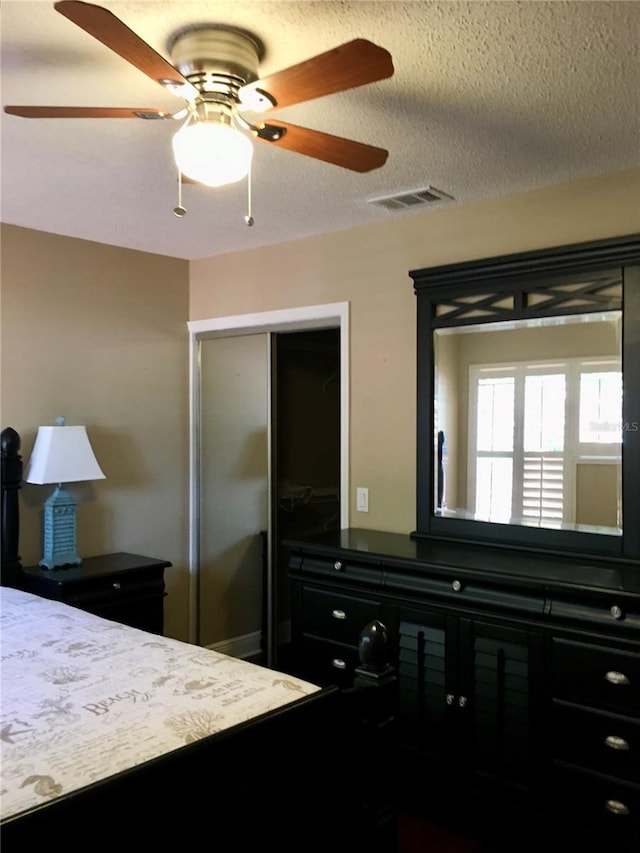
488, 98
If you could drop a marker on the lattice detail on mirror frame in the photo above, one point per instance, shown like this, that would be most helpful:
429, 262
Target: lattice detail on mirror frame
497, 305
597, 292
604, 292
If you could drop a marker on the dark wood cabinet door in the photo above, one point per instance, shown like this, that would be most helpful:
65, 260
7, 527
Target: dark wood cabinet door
427, 681
499, 698
466, 693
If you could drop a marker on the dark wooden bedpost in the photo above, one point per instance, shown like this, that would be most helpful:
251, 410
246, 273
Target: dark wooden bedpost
375, 686
11, 482
373, 648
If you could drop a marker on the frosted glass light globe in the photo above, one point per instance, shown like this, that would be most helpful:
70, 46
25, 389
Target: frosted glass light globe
212, 154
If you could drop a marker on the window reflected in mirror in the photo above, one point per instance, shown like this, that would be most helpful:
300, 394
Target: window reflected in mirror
528, 422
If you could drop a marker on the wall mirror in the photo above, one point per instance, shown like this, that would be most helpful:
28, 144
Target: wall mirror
529, 399
528, 422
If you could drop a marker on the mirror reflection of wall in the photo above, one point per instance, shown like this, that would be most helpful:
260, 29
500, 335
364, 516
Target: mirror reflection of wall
531, 412
446, 415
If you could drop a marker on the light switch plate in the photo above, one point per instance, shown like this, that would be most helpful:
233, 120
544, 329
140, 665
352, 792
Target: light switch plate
362, 499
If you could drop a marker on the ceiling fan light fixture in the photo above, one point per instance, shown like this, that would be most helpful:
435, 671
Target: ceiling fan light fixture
212, 153
215, 68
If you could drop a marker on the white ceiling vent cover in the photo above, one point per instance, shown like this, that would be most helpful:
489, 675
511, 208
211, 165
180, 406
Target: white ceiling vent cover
412, 198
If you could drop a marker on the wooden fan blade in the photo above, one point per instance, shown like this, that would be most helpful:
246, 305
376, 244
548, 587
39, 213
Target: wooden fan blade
104, 26
323, 146
352, 64
85, 112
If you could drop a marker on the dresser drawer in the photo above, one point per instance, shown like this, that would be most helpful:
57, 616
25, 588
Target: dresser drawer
604, 743
596, 676
609, 808
335, 616
614, 612
329, 663
337, 569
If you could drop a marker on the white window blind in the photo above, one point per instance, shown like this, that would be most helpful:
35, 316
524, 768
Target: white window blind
530, 425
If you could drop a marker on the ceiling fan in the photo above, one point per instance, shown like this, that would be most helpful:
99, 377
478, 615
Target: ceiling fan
215, 69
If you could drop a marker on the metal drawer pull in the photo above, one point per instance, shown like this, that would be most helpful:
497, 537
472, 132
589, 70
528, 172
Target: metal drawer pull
338, 663
337, 566
116, 585
614, 677
338, 614
615, 742
450, 698
616, 807
457, 586
462, 701
616, 612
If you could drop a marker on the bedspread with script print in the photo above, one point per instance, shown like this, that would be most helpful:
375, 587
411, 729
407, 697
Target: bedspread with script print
84, 698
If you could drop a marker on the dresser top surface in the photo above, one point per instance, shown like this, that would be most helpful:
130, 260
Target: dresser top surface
518, 565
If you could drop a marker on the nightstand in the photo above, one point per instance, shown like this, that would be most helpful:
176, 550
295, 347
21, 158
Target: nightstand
123, 587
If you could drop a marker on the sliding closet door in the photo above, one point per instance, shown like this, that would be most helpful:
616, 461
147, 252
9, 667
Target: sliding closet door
234, 489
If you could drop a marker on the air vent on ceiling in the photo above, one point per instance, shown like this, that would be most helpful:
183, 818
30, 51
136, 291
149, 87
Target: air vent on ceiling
413, 198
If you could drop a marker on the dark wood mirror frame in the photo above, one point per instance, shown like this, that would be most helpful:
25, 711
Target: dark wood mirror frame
517, 287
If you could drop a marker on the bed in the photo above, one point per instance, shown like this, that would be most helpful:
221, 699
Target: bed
115, 739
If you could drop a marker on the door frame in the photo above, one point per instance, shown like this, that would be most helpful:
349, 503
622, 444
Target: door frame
331, 315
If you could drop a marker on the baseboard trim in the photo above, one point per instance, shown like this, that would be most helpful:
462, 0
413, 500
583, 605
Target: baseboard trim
245, 646
249, 645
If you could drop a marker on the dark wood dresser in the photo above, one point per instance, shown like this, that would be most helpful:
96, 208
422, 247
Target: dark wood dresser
518, 675
123, 587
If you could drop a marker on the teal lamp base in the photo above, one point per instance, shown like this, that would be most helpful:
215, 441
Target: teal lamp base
60, 531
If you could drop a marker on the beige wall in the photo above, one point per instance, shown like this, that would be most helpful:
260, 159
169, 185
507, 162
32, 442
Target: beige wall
598, 494
368, 266
98, 334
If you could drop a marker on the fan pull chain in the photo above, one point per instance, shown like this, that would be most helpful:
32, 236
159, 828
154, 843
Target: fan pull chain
248, 220
179, 210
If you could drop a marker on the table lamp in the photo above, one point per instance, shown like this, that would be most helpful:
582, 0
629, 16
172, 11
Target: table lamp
61, 454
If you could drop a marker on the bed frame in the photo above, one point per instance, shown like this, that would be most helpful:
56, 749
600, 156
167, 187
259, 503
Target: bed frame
310, 776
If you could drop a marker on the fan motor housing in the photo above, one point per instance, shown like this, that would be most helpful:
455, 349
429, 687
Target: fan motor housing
214, 56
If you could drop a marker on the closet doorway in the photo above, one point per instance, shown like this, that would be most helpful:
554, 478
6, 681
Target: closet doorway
305, 447
269, 444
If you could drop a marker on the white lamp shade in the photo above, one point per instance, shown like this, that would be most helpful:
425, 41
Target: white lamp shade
212, 154
62, 454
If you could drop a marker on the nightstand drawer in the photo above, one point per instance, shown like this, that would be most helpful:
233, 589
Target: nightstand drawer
122, 587
604, 743
115, 589
596, 676
337, 617
146, 613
